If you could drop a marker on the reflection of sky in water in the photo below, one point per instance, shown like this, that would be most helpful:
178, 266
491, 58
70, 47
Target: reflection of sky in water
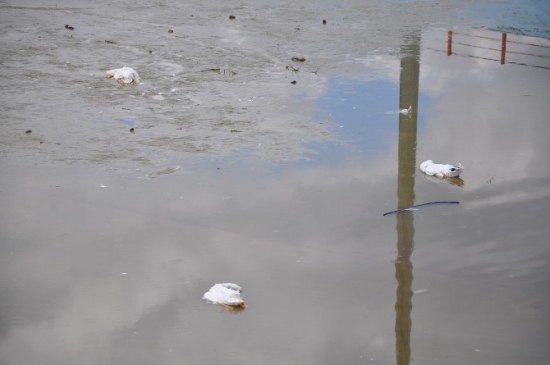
364, 117
514, 16
128, 122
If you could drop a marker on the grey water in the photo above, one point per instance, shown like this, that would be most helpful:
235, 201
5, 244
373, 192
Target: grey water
235, 173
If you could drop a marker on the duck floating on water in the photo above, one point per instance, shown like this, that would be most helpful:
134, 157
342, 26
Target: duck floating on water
430, 168
226, 294
125, 75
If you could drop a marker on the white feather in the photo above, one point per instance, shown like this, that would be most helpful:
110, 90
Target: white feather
441, 170
124, 75
226, 293
406, 111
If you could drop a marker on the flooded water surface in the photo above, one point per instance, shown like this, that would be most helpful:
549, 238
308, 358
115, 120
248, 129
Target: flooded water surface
235, 160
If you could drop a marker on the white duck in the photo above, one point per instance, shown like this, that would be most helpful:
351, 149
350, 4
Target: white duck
439, 170
226, 294
125, 75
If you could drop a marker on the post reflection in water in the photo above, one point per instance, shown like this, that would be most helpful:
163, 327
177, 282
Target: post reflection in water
408, 96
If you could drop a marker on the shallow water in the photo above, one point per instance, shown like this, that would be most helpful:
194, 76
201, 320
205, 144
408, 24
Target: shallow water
110, 238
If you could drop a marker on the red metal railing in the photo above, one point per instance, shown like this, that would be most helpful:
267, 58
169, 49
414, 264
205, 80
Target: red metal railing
537, 49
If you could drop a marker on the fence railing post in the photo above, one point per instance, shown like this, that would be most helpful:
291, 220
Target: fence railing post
503, 49
450, 43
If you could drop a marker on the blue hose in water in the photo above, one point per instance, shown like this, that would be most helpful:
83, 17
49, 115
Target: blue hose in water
417, 206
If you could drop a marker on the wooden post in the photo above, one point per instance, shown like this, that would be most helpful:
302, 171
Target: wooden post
503, 49
450, 43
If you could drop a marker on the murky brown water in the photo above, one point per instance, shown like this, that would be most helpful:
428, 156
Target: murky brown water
109, 239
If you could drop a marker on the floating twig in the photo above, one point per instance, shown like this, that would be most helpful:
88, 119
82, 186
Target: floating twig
222, 70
